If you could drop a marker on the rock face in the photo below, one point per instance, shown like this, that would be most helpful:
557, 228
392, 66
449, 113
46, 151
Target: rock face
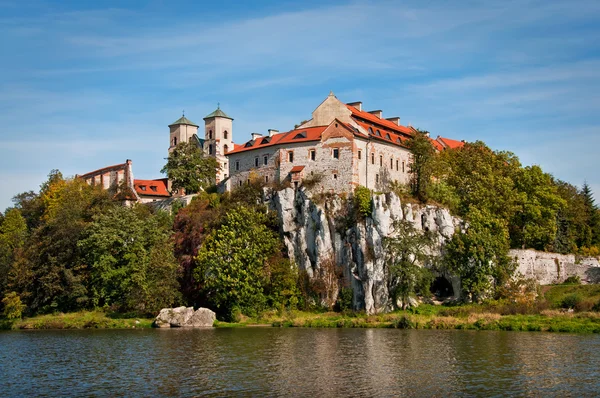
318, 235
548, 268
185, 317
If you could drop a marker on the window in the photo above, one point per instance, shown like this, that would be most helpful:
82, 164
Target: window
210, 149
225, 134
380, 160
376, 177
359, 155
237, 165
291, 156
372, 158
210, 134
256, 161
153, 188
403, 167
265, 159
300, 135
143, 187
397, 165
370, 130
266, 178
240, 183
335, 176
175, 141
391, 163
313, 154
336, 153
378, 133
225, 148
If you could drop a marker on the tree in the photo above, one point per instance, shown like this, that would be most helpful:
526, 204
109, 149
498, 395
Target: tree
231, 263
479, 256
407, 253
420, 167
130, 257
592, 216
189, 169
534, 224
13, 232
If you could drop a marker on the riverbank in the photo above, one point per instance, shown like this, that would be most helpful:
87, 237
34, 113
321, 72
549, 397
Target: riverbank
77, 320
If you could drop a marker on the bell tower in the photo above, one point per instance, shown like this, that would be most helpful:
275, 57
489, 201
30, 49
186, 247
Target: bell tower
181, 130
218, 139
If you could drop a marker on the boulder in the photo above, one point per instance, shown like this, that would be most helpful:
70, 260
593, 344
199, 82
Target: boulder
184, 317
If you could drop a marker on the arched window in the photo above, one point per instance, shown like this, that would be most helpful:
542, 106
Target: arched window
225, 148
225, 134
210, 149
210, 134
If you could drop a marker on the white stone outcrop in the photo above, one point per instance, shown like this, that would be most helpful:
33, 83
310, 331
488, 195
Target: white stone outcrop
317, 234
185, 317
548, 268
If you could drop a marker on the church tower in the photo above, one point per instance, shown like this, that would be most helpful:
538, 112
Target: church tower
182, 130
218, 139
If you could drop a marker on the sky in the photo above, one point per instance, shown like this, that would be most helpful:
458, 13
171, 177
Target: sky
88, 84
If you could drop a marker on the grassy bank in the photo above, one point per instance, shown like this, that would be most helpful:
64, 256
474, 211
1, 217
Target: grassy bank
77, 320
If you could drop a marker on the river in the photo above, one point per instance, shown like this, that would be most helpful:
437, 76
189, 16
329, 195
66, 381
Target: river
297, 362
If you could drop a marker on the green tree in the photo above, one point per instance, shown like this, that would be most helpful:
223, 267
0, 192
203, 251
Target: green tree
592, 233
231, 263
13, 232
421, 166
534, 224
13, 307
189, 169
130, 257
406, 256
480, 255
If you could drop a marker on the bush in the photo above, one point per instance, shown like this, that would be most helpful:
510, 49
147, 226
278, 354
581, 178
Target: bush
362, 201
572, 280
13, 307
344, 299
571, 300
402, 323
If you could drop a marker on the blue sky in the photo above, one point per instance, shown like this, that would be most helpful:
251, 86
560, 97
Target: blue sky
86, 84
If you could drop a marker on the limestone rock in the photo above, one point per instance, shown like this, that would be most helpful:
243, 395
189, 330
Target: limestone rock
184, 317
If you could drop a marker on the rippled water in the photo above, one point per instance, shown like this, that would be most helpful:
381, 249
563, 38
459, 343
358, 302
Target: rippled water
297, 362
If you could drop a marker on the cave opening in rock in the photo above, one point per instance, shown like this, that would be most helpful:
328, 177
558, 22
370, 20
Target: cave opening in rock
442, 288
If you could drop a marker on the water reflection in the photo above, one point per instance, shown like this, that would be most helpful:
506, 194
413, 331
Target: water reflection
297, 362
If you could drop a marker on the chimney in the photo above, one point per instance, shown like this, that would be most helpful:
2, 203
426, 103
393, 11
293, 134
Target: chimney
272, 132
255, 136
395, 120
357, 105
377, 113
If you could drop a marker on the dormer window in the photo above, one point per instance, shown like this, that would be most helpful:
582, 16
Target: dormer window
370, 130
300, 135
387, 137
249, 144
378, 133
143, 187
153, 188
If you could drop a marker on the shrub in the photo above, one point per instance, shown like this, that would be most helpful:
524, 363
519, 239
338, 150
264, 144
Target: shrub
571, 300
362, 201
403, 322
572, 280
344, 299
13, 307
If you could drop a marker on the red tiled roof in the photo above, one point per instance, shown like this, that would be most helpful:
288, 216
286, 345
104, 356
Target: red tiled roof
299, 135
394, 138
153, 187
436, 144
452, 144
296, 169
381, 122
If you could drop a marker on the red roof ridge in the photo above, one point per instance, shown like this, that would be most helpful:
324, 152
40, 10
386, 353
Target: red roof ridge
160, 184
102, 169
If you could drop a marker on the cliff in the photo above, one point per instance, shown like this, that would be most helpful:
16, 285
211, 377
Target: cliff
318, 235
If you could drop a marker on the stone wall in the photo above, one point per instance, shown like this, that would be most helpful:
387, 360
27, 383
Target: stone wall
548, 268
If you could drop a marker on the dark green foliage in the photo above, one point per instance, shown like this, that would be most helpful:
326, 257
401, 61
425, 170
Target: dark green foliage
479, 256
572, 280
421, 166
406, 254
344, 300
571, 301
231, 262
362, 202
189, 169
130, 258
